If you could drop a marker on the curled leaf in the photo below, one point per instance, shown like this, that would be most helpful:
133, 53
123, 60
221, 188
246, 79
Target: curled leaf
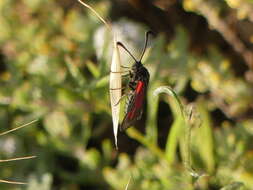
171, 92
188, 117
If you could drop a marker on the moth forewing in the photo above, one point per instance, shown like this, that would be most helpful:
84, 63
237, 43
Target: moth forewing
115, 89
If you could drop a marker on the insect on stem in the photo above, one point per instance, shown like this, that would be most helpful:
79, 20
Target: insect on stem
137, 84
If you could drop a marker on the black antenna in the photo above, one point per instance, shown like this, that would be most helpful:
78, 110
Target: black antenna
144, 48
145, 45
120, 44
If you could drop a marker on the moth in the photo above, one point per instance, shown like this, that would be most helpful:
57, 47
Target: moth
138, 83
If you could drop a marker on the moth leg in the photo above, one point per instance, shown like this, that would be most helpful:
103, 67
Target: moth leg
124, 67
123, 96
121, 129
132, 85
130, 74
126, 75
118, 72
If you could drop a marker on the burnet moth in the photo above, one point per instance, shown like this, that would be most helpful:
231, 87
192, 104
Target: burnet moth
138, 83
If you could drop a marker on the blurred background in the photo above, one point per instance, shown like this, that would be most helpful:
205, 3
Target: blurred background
54, 66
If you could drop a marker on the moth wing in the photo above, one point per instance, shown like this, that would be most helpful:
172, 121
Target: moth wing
135, 107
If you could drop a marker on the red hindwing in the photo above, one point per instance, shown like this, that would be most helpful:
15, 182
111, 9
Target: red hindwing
136, 108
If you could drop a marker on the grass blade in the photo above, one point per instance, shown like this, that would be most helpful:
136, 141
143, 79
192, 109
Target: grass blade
128, 182
20, 158
115, 89
115, 77
9, 131
12, 182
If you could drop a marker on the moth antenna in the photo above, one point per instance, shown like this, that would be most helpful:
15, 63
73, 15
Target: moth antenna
120, 44
145, 45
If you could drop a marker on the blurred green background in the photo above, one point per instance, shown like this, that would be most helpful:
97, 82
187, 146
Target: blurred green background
54, 65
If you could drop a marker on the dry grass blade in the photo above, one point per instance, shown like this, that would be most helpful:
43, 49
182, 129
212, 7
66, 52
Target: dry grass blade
115, 77
115, 89
128, 182
95, 12
12, 182
15, 159
209, 11
20, 158
9, 131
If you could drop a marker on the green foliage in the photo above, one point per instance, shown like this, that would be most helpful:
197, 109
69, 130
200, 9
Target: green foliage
54, 71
